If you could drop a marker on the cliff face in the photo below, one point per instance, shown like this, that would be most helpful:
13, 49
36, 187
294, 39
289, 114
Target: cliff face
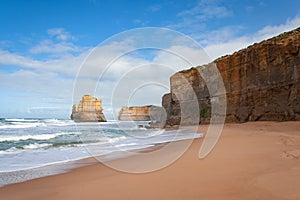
140, 113
262, 83
89, 109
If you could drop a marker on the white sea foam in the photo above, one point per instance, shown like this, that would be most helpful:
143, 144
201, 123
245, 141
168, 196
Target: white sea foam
15, 125
57, 122
33, 137
112, 140
125, 145
36, 146
20, 120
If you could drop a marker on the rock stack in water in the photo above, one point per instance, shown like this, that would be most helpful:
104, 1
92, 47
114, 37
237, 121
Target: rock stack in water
89, 109
140, 113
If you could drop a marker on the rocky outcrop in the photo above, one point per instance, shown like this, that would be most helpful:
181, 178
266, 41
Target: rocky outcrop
89, 109
140, 113
262, 82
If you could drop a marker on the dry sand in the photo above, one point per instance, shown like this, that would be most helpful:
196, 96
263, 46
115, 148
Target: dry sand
250, 161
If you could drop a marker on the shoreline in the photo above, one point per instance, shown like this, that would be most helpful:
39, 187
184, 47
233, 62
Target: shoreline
62, 167
251, 160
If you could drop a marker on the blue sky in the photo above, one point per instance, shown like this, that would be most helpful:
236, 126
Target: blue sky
44, 42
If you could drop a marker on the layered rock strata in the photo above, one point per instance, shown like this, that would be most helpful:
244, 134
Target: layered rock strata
89, 109
140, 113
261, 82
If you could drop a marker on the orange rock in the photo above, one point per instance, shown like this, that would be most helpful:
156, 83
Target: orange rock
262, 82
89, 109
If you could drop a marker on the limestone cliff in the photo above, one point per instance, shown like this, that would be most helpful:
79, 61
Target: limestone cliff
140, 113
262, 83
89, 109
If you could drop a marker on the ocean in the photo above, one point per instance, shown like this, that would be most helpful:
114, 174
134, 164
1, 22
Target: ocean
32, 148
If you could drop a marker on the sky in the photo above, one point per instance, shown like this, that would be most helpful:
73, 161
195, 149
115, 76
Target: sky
54, 51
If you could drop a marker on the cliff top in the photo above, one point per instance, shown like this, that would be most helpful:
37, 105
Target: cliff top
281, 39
89, 98
146, 106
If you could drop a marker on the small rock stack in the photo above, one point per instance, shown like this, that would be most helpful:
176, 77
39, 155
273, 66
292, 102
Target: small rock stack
89, 109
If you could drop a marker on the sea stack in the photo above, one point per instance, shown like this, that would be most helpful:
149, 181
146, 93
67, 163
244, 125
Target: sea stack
89, 109
140, 113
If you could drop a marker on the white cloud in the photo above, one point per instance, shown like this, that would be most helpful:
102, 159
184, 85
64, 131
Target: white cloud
14, 59
137, 21
182, 57
194, 18
60, 34
216, 50
48, 46
205, 10
154, 8
35, 89
65, 65
40, 83
59, 42
271, 31
217, 36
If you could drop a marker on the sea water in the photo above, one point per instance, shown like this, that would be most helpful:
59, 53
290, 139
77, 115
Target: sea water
32, 148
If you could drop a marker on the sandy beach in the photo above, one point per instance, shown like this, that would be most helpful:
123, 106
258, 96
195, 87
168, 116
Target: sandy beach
255, 160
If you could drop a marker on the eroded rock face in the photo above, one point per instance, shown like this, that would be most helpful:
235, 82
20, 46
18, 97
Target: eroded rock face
140, 113
262, 83
89, 109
